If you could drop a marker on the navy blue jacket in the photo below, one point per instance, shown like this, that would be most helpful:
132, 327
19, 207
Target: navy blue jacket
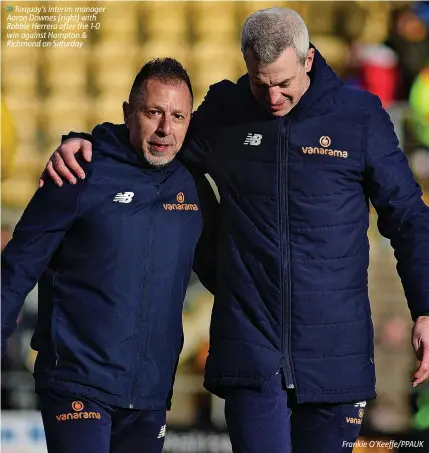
293, 250
113, 256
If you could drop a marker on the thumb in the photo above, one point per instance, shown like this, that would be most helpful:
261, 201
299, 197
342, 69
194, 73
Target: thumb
422, 372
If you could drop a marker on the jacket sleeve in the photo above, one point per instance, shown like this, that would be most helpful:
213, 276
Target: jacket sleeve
72, 134
205, 251
205, 121
403, 217
48, 216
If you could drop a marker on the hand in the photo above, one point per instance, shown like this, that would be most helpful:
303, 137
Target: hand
420, 341
63, 160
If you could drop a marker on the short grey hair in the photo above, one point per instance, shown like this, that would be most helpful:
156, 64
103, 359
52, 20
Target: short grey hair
268, 32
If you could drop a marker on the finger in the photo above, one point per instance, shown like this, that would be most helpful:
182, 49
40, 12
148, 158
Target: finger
418, 380
61, 168
68, 154
87, 150
422, 372
53, 174
42, 178
70, 162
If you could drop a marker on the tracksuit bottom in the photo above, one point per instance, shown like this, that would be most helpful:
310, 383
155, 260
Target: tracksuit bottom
272, 422
77, 424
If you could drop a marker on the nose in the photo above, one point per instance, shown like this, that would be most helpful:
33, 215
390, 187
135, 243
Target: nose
273, 95
164, 126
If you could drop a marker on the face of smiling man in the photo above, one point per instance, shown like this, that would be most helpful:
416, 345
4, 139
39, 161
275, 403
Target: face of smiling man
159, 118
279, 86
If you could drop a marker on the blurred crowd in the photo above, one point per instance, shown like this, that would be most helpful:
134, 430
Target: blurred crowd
378, 46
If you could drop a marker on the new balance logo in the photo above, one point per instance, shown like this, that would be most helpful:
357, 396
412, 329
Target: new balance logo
123, 197
360, 404
161, 432
253, 139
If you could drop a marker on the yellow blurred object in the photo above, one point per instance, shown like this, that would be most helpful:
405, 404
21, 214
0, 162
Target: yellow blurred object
376, 25
107, 108
160, 49
30, 359
19, 75
9, 141
64, 71
165, 22
215, 22
113, 69
212, 62
119, 24
17, 191
334, 49
26, 112
419, 102
61, 114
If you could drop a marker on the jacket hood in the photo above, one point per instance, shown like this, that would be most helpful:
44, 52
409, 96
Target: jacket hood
112, 140
323, 79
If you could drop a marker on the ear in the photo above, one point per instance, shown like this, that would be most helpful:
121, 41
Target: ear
309, 60
126, 108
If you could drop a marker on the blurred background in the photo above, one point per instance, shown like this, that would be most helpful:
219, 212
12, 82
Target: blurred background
379, 46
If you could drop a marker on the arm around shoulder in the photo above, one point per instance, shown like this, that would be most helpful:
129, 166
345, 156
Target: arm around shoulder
203, 128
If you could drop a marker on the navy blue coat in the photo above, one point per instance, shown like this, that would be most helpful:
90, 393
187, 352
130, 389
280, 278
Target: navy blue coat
292, 289
113, 256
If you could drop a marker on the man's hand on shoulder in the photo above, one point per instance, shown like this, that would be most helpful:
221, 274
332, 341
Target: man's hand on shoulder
420, 341
63, 161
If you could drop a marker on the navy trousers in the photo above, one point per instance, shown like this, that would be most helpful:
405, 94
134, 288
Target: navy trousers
272, 422
76, 424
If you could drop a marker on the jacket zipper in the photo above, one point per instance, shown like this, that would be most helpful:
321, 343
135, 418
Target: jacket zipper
144, 301
285, 252
54, 322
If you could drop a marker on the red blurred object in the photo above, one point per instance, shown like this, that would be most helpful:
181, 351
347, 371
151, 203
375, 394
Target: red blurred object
380, 73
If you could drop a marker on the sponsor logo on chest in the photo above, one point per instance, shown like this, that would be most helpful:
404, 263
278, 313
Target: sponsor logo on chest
325, 149
181, 205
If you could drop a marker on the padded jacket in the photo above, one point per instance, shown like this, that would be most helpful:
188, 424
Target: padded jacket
113, 256
293, 251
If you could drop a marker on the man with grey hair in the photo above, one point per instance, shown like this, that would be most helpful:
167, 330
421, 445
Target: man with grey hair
275, 43
297, 156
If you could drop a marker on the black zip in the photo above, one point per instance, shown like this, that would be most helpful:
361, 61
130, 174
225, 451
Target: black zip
285, 253
144, 298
